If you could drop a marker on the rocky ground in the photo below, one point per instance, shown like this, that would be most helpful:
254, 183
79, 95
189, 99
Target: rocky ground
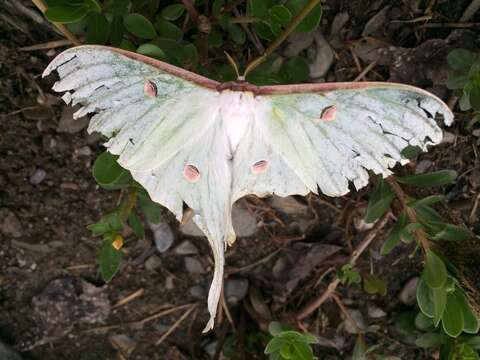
53, 303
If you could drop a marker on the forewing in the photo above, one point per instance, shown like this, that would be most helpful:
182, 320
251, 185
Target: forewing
156, 137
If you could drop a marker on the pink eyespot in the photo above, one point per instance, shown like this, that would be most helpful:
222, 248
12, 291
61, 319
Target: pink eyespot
150, 89
191, 173
329, 113
259, 167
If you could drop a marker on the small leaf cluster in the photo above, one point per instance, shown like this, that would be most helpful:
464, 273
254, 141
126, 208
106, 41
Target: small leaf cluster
287, 344
111, 176
440, 297
465, 77
169, 33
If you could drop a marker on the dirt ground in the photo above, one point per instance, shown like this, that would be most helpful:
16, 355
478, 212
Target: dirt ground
48, 197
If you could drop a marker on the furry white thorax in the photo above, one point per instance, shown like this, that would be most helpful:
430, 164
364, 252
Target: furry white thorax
236, 110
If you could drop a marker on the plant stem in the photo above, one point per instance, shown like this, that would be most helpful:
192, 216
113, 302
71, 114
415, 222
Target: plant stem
40, 4
281, 38
419, 234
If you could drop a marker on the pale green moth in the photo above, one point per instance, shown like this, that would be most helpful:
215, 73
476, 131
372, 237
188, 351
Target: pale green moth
189, 139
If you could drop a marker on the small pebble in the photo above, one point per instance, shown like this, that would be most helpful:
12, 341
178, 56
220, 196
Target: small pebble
236, 289
198, 292
38, 176
194, 266
408, 295
186, 248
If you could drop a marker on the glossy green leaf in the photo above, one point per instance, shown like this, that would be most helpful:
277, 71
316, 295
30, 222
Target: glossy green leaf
297, 70
127, 45
423, 322
109, 223
394, 237
465, 352
435, 272
471, 324
311, 21
217, 7
474, 342
273, 345
429, 340
172, 12
151, 210
451, 232
407, 234
117, 31
64, 13
379, 201
263, 30
439, 299
215, 39
108, 173
374, 285
411, 152
168, 30
280, 14
301, 351
437, 178
475, 97
152, 51
426, 201
110, 259
98, 29
136, 225
457, 81
119, 8
237, 34
257, 8
424, 298
452, 319
140, 26
461, 59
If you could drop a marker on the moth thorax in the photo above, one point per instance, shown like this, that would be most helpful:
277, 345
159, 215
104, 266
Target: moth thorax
236, 110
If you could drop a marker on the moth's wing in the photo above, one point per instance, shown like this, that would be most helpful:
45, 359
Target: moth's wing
373, 124
156, 137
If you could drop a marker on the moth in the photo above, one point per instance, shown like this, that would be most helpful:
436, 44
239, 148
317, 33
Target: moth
189, 139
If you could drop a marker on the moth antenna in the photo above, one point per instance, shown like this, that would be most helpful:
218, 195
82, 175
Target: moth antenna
234, 65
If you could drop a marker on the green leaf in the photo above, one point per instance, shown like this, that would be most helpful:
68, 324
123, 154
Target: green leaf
217, 7
94, 5
464, 102
67, 13
257, 8
98, 29
110, 259
394, 236
439, 299
465, 352
263, 30
379, 201
471, 324
286, 350
172, 12
140, 26
192, 52
273, 345
360, 349
275, 328
429, 340
150, 209
237, 34
435, 272
348, 275
451, 232
311, 21
407, 234
411, 152
475, 97
119, 8
168, 30
215, 39
437, 178
374, 285
108, 174
461, 59
117, 30
280, 14
424, 298
297, 70
109, 223
452, 319
426, 201
423, 322
136, 225
127, 45
302, 351
474, 342
152, 51
456, 81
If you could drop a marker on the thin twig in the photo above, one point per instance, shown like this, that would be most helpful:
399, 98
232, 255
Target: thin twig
175, 325
48, 45
345, 312
252, 265
367, 240
470, 11
227, 310
40, 4
129, 298
365, 71
191, 10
